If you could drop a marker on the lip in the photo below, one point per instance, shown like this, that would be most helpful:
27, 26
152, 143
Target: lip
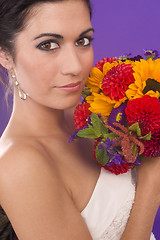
72, 87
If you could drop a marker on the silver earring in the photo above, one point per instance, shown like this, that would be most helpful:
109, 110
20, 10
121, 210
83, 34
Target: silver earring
21, 93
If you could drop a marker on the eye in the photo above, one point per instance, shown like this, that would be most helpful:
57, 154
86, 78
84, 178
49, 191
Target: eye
84, 42
48, 45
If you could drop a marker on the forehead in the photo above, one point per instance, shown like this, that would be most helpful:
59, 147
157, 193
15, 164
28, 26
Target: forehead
60, 17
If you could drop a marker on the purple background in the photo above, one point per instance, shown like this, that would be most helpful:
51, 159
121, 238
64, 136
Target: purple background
121, 27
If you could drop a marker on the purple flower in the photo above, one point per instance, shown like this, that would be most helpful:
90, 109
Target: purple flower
137, 162
111, 151
81, 99
115, 160
154, 54
136, 58
117, 115
73, 137
89, 121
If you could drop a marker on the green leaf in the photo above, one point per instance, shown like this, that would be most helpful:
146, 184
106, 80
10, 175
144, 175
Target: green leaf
102, 156
85, 92
135, 128
98, 125
110, 135
87, 133
96, 130
95, 120
134, 149
146, 137
104, 130
83, 95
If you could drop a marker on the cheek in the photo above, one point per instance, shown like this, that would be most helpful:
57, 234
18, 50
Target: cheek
35, 74
88, 63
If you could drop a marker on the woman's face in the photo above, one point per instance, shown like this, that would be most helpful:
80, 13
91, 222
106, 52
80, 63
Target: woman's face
54, 53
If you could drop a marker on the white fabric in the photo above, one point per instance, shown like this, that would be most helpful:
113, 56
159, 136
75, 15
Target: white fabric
108, 209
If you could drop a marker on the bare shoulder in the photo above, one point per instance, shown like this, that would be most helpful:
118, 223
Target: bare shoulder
23, 162
19, 162
18, 156
32, 190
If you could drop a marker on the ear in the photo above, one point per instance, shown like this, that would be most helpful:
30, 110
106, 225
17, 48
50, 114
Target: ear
6, 60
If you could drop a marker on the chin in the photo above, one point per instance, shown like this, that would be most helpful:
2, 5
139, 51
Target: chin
70, 103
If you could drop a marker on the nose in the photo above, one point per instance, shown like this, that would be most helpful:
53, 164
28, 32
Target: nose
71, 64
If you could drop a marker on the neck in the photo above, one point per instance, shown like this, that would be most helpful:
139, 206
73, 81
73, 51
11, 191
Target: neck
30, 118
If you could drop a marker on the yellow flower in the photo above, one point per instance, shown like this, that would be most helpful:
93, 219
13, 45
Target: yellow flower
95, 79
108, 66
90, 99
100, 104
147, 79
153, 94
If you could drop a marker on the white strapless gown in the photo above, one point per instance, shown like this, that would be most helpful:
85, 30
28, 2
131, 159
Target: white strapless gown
108, 209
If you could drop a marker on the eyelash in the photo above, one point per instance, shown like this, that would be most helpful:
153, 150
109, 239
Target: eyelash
90, 39
51, 41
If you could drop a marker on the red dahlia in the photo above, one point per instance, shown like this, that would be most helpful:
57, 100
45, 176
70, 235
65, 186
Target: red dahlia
145, 111
81, 114
152, 147
123, 168
100, 64
117, 80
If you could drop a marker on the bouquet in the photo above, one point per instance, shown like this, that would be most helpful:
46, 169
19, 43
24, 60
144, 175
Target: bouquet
120, 110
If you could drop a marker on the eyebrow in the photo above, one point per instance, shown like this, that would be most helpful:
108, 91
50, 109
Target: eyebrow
86, 31
60, 36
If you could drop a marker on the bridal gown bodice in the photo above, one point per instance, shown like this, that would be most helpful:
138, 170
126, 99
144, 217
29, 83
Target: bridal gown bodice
109, 207
107, 211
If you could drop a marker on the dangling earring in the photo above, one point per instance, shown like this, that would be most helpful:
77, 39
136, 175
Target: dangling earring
21, 93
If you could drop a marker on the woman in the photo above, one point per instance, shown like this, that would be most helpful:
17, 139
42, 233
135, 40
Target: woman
47, 184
